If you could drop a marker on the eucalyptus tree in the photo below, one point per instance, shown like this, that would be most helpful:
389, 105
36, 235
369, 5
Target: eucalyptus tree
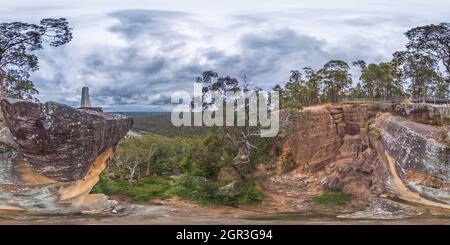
241, 137
432, 41
380, 80
335, 78
422, 72
18, 42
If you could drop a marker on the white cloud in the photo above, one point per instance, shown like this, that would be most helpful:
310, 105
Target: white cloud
133, 54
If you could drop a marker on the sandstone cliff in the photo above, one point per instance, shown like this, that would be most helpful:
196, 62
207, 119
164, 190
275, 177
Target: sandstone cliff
55, 156
420, 162
366, 152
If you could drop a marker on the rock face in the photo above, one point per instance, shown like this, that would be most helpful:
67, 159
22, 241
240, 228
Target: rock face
324, 148
365, 152
60, 153
312, 139
316, 134
61, 142
354, 118
422, 163
424, 113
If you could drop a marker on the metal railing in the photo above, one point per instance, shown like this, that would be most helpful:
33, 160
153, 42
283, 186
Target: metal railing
413, 99
431, 100
385, 100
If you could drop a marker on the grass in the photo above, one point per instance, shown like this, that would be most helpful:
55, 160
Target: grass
332, 197
197, 189
365, 127
375, 133
207, 192
148, 189
446, 121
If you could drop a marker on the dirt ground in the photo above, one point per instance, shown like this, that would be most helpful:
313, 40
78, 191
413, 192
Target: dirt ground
176, 212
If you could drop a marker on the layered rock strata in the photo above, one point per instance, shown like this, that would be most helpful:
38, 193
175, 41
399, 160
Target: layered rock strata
313, 139
367, 153
60, 152
421, 162
424, 113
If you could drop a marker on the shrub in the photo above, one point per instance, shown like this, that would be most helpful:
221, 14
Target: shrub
375, 133
150, 188
204, 191
143, 167
332, 197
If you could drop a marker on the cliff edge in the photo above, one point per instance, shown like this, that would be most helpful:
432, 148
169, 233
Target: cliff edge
53, 154
377, 154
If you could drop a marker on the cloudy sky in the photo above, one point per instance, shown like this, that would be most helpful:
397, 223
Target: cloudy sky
134, 54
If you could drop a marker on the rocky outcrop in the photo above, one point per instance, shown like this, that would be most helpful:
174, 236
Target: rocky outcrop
58, 141
421, 162
312, 139
315, 135
324, 148
355, 117
365, 152
424, 113
60, 152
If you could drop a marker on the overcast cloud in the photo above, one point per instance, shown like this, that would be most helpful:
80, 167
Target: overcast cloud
135, 54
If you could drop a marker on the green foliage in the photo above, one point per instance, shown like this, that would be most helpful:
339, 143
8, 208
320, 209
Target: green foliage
381, 80
204, 191
335, 78
210, 154
443, 136
433, 41
18, 43
20, 89
422, 72
365, 127
419, 67
150, 188
288, 163
300, 91
196, 160
375, 133
332, 197
154, 155
195, 188
446, 121
328, 84
161, 124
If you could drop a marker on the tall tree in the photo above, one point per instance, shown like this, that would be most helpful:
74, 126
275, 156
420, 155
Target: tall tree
313, 86
380, 80
18, 41
432, 40
420, 70
389, 82
357, 91
294, 93
242, 138
335, 78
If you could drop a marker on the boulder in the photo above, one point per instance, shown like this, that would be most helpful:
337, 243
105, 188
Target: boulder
424, 113
422, 163
58, 153
61, 142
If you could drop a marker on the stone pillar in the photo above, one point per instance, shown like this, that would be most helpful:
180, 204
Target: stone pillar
85, 102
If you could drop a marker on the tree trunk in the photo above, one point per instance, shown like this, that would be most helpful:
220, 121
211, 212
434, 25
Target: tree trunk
132, 172
150, 158
147, 171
